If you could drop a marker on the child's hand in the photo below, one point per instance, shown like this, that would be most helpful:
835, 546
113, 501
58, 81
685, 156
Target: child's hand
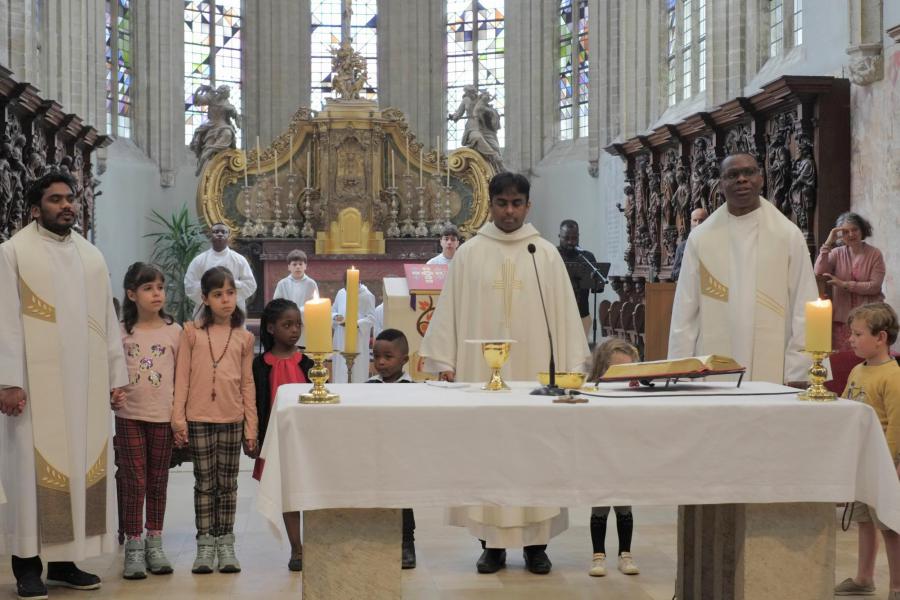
181, 439
117, 398
251, 448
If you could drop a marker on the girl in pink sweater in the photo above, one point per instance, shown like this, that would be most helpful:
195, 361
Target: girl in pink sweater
215, 406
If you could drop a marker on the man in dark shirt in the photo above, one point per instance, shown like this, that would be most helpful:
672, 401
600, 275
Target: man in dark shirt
569, 250
697, 216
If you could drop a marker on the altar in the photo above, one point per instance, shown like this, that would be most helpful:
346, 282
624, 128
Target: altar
775, 464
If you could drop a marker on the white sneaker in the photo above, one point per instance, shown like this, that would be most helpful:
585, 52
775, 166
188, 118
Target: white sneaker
626, 564
598, 565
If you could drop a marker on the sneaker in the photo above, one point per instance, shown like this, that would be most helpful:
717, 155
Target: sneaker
598, 565
30, 587
849, 587
134, 560
626, 564
228, 562
66, 574
157, 561
206, 554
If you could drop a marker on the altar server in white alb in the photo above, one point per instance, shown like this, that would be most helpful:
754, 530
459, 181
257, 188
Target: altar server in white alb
491, 292
298, 287
219, 255
365, 322
62, 363
745, 278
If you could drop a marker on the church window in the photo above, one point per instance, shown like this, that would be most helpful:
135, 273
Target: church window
776, 26
212, 55
573, 69
785, 25
118, 68
325, 33
686, 49
475, 56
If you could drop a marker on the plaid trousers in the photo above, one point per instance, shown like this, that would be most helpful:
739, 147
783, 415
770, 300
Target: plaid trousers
143, 451
216, 451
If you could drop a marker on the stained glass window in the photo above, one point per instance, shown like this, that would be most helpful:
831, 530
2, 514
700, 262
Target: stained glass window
326, 33
212, 55
566, 72
118, 68
474, 59
573, 67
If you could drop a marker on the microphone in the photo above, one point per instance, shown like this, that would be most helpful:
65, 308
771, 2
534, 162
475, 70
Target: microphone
550, 389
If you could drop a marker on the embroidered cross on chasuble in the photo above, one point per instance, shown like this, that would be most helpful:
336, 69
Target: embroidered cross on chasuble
506, 283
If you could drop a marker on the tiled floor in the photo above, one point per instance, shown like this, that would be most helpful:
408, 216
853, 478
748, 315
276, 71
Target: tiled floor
446, 561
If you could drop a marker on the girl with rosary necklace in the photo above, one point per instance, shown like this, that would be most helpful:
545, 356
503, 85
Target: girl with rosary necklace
215, 407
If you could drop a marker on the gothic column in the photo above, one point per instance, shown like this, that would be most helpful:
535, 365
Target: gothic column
866, 46
603, 122
276, 66
158, 84
19, 39
531, 63
411, 72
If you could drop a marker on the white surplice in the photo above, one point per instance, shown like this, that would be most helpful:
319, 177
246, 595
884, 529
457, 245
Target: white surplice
228, 258
720, 305
19, 533
440, 259
297, 291
491, 292
365, 322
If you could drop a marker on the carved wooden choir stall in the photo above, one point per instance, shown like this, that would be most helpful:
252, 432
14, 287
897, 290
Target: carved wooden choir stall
797, 127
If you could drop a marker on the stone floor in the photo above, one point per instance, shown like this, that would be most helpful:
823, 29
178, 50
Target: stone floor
446, 561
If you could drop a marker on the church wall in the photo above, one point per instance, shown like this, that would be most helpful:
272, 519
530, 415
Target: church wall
131, 191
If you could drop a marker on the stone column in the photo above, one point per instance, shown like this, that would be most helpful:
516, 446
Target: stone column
411, 70
276, 66
866, 46
19, 40
158, 84
756, 551
71, 48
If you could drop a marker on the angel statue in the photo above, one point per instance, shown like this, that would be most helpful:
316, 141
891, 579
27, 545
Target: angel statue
218, 132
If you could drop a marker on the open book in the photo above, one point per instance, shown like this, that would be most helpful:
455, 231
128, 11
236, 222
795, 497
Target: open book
696, 366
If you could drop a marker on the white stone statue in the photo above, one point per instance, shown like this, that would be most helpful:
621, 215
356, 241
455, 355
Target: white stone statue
482, 124
218, 132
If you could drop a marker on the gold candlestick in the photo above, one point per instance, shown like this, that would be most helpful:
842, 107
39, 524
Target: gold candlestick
349, 358
319, 394
817, 392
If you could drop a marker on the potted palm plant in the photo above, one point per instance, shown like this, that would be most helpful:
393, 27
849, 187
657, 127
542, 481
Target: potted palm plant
179, 241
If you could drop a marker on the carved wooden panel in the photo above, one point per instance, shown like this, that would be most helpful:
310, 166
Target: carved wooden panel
797, 127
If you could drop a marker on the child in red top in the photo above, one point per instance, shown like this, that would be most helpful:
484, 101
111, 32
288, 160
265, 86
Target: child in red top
280, 363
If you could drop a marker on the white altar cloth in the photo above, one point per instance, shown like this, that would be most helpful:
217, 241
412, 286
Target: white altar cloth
393, 446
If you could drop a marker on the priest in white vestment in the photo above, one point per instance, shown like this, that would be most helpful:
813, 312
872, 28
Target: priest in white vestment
491, 292
745, 278
365, 322
219, 255
61, 359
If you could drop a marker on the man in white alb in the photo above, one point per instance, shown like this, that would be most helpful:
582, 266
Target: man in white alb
449, 244
62, 361
745, 278
219, 255
491, 292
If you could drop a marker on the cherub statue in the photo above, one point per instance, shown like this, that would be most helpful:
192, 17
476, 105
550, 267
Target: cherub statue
219, 131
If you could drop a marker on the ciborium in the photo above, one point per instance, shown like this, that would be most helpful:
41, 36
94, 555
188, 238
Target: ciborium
496, 353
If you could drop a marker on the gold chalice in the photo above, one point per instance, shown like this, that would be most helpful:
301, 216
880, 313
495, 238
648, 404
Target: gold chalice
496, 353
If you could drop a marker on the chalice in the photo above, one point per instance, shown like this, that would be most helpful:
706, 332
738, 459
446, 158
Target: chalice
496, 353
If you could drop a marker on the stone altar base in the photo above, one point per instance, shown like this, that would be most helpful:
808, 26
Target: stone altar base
351, 553
756, 551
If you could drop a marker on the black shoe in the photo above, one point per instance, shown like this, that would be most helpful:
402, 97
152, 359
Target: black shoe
66, 574
30, 587
491, 560
408, 555
296, 564
537, 562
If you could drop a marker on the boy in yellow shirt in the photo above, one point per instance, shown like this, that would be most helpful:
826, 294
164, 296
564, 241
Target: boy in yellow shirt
876, 381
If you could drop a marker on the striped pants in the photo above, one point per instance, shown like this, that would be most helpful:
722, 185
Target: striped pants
143, 451
216, 452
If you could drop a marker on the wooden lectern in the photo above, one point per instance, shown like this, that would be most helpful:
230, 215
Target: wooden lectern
658, 301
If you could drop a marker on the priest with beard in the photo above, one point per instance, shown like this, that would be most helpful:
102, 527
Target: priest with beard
491, 292
62, 367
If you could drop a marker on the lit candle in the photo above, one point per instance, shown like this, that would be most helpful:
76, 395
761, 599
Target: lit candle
291, 156
258, 169
448, 170
351, 315
437, 161
421, 165
393, 179
309, 168
818, 326
317, 322
246, 167
276, 169
407, 157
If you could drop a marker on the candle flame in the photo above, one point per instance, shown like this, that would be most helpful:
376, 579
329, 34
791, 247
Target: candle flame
821, 302
315, 294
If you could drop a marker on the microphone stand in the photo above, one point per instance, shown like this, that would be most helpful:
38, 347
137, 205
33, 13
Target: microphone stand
603, 281
551, 388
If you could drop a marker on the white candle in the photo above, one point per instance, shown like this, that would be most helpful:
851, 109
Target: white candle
818, 326
421, 165
393, 179
448, 170
309, 168
276, 169
317, 322
407, 157
291, 156
246, 167
258, 169
351, 318
437, 160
